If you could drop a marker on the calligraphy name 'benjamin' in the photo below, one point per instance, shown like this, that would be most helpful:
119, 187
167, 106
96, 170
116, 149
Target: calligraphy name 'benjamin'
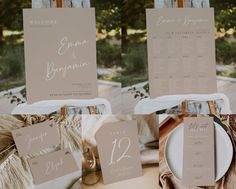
184, 21
52, 70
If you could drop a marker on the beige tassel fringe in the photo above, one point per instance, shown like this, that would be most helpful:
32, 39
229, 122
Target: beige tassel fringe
13, 175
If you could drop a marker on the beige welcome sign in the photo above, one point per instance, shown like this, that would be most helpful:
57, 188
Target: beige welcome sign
60, 54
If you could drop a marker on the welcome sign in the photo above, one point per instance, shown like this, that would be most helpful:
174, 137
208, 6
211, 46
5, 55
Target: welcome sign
60, 54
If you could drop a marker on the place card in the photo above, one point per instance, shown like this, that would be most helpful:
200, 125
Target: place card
60, 54
199, 152
118, 150
32, 139
181, 47
53, 165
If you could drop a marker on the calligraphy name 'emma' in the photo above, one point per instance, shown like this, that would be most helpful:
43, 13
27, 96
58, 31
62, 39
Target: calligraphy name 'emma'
66, 45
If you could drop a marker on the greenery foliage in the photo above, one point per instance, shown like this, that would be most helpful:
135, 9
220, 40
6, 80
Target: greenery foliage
108, 54
225, 51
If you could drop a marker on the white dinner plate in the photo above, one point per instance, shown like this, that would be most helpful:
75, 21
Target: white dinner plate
174, 151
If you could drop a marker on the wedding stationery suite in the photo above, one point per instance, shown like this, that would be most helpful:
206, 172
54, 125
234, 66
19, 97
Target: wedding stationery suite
36, 137
53, 165
181, 51
118, 150
199, 152
60, 54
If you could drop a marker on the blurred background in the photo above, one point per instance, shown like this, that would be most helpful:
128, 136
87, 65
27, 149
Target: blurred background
121, 50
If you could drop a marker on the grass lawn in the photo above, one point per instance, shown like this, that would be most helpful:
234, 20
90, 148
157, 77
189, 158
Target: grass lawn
9, 84
132, 79
231, 74
112, 77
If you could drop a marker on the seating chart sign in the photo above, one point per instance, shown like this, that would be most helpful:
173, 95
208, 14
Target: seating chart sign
181, 51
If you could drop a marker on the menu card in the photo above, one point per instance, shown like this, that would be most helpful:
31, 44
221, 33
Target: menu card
199, 152
37, 137
60, 54
181, 51
118, 150
53, 165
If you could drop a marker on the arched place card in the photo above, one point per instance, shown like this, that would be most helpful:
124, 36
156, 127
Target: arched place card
53, 165
33, 139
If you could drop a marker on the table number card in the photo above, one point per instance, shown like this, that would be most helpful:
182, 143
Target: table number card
37, 137
118, 150
60, 54
53, 165
181, 51
199, 152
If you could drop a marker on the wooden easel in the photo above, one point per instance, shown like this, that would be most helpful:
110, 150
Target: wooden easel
60, 3
181, 3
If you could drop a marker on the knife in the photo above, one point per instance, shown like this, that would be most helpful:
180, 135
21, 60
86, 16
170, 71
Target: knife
227, 130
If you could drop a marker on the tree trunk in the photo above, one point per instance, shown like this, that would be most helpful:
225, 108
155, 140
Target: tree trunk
1, 35
123, 36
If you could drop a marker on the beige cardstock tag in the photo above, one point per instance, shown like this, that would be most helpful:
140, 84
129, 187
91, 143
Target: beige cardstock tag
36, 137
118, 150
60, 54
199, 152
53, 165
181, 51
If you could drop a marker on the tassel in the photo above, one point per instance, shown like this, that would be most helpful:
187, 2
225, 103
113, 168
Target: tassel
70, 132
12, 173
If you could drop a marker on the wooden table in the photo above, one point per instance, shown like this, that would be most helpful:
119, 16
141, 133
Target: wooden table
149, 180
